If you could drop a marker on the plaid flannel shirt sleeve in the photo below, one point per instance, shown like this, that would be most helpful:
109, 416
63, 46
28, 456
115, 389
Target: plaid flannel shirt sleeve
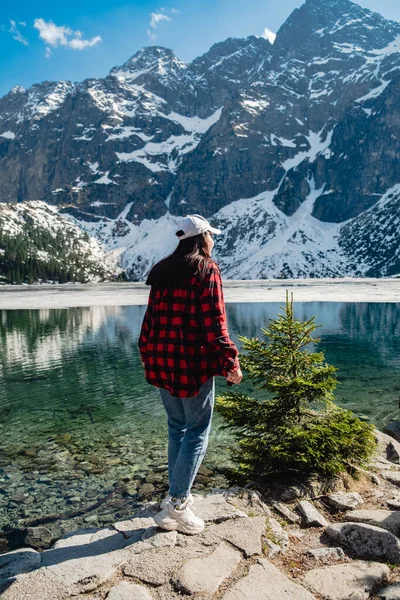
146, 325
214, 321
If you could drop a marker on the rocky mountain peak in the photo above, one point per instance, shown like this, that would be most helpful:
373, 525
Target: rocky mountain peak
155, 60
333, 22
17, 89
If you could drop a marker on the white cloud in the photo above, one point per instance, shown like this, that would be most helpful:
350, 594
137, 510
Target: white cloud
58, 35
79, 44
17, 35
269, 35
157, 17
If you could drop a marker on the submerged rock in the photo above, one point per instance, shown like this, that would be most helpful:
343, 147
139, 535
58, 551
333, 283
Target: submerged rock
38, 537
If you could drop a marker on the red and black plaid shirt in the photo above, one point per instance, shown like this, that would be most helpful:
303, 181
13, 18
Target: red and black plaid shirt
184, 338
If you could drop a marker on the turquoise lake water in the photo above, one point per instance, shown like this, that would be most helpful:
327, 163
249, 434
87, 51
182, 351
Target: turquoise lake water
77, 416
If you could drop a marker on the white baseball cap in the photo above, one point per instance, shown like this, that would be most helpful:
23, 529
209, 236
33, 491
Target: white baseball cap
193, 225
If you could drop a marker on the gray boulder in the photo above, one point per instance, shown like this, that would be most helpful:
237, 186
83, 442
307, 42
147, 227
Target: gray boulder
393, 429
394, 503
393, 477
344, 500
366, 541
391, 592
388, 447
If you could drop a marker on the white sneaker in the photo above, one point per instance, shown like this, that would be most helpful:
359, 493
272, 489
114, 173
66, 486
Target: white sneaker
183, 520
167, 500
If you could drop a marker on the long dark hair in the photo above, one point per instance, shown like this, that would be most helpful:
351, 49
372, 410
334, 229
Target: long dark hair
190, 258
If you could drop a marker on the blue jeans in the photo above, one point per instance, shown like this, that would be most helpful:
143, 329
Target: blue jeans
189, 423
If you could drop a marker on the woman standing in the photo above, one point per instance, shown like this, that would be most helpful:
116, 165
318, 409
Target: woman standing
184, 343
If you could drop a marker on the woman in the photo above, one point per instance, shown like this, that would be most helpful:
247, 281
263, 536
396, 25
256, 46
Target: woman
184, 343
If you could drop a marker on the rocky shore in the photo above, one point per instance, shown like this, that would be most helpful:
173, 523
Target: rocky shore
300, 543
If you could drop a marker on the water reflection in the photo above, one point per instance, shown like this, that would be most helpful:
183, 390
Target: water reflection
76, 414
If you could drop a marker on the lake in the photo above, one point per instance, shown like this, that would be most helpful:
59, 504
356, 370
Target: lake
77, 416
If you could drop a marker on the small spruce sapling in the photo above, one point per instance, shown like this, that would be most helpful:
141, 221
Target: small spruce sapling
298, 428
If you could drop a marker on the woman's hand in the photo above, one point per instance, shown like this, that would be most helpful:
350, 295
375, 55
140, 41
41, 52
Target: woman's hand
235, 376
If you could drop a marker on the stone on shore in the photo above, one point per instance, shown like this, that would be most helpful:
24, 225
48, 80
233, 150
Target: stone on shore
134, 528
129, 591
386, 519
394, 503
272, 549
215, 509
84, 560
392, 476
366, 541
388, 447
353, 580
280, 536
391, 592
245, 534
37, 585
285, 511
319, 553
157, 567
265, 582
344, 500
311, 516
248, 501
393, 429
205, 575
18, 561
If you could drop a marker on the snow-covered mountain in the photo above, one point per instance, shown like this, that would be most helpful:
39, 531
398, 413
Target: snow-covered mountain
37, 243
293, 148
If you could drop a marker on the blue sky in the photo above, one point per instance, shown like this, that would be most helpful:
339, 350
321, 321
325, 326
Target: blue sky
73, 40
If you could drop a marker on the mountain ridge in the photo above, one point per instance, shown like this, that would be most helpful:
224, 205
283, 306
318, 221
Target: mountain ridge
311, 122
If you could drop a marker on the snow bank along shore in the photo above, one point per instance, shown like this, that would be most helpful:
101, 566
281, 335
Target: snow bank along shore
126, 294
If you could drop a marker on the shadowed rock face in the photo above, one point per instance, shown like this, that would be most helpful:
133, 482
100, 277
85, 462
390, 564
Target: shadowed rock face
316, 113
